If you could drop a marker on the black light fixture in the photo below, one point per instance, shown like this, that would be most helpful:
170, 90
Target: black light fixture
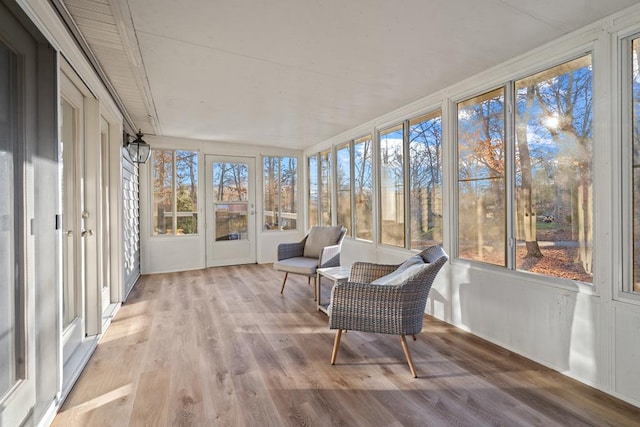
138, 149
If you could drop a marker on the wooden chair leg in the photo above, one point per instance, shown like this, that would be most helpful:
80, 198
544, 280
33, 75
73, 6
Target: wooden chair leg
403, 341
336, 344
414, 337
316, 289
284, 281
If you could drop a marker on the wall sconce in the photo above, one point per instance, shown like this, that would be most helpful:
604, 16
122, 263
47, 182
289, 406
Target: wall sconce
138, 149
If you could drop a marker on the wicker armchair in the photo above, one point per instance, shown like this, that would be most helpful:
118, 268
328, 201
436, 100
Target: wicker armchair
319, 248
387, 308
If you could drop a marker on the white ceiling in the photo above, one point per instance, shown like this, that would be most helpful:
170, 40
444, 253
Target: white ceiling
293, 73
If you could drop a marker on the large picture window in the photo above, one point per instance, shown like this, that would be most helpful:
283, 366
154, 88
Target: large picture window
280, 181
553, 180
392, 230
425, 180
481, 178
175, 192
550, 203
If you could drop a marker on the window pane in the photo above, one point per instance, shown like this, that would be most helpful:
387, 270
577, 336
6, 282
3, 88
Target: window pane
231, 221
363, 188
271, 192
288, 185
392, 187
162, 191
280, 193
481, 188
325, 188
636, 228
313, 190
636, 165
425, 173
553, 191
231, 182
343, 158
187, 192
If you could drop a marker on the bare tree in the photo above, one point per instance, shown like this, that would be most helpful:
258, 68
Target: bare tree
569, 99
526, 209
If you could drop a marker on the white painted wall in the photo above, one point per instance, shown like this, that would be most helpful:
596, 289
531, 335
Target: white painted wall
588, 332
178, 253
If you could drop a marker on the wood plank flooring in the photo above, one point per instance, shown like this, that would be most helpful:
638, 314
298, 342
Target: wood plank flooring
222, 347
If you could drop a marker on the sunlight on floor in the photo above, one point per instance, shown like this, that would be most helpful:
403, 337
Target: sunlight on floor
132, 326
96, 402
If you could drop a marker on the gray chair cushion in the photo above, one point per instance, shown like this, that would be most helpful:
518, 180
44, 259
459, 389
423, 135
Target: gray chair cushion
298, 265
399, 275
318, 238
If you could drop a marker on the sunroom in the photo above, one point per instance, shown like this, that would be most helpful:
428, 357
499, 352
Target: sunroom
506, 131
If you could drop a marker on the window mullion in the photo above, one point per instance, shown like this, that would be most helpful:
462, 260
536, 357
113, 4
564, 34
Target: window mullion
510, 158
406, 178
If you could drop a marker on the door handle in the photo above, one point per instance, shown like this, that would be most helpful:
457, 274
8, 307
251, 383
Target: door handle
69, 233
86, 233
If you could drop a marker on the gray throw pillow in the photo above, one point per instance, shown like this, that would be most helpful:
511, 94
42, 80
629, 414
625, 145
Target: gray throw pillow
318, 238
399, 276
416, 259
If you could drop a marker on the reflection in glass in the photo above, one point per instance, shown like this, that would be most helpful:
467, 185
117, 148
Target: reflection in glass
636, 165
553, 191
363, 188
343, 159
313, 190
425, 174
325, 188
392, 186
481, 179
231, 221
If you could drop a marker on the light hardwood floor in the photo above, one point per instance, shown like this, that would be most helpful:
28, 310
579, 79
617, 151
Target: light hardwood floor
222, 347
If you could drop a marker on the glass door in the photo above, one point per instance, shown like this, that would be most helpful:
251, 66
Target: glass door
17, 300
230, 210
73, 248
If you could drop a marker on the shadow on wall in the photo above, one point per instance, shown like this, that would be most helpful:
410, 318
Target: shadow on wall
532, 320
438, 306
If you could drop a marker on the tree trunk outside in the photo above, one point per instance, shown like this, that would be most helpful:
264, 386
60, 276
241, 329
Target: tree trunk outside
530, 225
